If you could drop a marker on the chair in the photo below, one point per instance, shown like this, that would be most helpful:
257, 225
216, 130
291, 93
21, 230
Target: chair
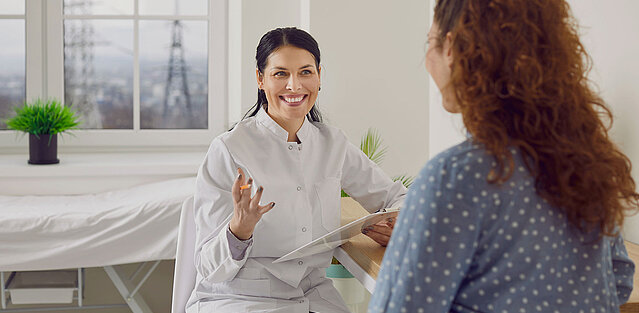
185, 273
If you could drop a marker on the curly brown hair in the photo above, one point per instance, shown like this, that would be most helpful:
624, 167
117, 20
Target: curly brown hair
519, 74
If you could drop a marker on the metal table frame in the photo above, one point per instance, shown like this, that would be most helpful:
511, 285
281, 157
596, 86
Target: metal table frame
126, 286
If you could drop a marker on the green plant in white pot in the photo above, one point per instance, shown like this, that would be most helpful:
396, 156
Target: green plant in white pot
43, 120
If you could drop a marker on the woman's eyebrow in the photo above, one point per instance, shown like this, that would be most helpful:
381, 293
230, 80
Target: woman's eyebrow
284, 68
279, 68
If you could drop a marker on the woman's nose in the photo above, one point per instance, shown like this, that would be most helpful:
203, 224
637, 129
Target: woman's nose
293, 83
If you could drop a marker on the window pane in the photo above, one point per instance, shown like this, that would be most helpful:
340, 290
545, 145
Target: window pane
173, 7
98, 72
12, 63
173, 74
12, 7
98, 7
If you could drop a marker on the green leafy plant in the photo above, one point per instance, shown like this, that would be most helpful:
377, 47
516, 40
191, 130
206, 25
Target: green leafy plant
373, 147
406, 180
43, 118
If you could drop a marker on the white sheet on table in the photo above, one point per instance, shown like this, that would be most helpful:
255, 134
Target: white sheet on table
117, 227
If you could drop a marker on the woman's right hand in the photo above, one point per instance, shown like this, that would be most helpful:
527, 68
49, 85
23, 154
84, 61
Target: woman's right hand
246, 210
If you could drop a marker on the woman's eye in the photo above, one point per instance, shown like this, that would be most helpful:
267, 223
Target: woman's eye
306, 72
280, 73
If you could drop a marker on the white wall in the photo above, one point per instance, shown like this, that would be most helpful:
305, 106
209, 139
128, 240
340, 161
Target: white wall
609, 32
258, 17
373, 74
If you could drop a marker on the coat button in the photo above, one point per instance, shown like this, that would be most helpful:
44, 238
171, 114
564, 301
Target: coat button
299, 188
303, 229
299, 148
290, 147
300, 262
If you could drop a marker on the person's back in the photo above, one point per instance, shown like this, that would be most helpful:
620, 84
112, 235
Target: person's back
481, 247
525, 216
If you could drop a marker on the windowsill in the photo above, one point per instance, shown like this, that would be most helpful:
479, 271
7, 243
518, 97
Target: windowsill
93, 172
103, 164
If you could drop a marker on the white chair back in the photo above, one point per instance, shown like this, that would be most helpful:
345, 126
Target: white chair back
185, 273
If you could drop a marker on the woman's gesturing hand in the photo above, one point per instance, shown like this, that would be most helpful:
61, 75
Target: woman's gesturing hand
246, 210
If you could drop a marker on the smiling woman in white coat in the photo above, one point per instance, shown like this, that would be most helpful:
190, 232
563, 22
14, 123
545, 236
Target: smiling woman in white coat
272, 184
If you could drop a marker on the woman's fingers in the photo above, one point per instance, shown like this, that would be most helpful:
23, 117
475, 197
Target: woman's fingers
242, 195
245, 191
380, 232
239, 181
265, 208
381, 228
380, 238
390, 221
255, 201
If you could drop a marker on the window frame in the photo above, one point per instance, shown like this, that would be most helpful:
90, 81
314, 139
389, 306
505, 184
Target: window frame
44, 73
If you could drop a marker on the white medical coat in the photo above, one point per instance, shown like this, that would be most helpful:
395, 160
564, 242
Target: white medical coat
304, 180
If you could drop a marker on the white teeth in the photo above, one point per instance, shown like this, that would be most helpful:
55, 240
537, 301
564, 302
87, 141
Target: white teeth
296, 99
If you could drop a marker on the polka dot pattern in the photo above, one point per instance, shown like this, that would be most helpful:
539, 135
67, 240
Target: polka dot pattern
470, 246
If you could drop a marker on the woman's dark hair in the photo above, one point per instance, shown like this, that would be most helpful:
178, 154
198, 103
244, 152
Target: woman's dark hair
270, 42
520, 76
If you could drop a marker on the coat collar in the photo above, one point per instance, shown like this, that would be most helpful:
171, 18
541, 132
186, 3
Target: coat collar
265, 120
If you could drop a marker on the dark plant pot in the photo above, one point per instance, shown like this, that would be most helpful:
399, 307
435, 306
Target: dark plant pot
43, 151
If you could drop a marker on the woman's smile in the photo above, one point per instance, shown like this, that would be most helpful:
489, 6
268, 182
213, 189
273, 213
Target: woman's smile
294, 99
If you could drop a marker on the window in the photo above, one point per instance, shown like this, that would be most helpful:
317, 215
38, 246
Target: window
12, 57
105, 44
139, 72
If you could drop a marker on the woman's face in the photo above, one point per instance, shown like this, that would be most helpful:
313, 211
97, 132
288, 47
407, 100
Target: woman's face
439, 60
291, 82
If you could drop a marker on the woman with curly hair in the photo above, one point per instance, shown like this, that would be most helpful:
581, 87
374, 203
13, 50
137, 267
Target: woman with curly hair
524, 216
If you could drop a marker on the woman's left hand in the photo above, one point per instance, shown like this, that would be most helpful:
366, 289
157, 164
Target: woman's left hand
381, 232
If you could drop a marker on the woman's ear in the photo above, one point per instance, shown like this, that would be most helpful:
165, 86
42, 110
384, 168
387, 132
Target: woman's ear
260, 78
448, 49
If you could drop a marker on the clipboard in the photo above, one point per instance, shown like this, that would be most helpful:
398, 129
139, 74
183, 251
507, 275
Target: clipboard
338, 236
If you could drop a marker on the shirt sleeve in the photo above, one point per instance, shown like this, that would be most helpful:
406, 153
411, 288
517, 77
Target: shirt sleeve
238, 247
623, 268
367, 183
213, 207
431, 249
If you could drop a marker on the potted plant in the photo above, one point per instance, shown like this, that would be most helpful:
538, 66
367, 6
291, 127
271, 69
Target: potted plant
372, 146
350, 289
43, 120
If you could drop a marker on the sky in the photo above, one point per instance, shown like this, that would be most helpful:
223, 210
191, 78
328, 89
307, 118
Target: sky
113, 38
151, 7
12, 6
13, 46
186, 7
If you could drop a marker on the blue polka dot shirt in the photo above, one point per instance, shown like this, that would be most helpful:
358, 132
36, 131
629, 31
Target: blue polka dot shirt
463, 245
